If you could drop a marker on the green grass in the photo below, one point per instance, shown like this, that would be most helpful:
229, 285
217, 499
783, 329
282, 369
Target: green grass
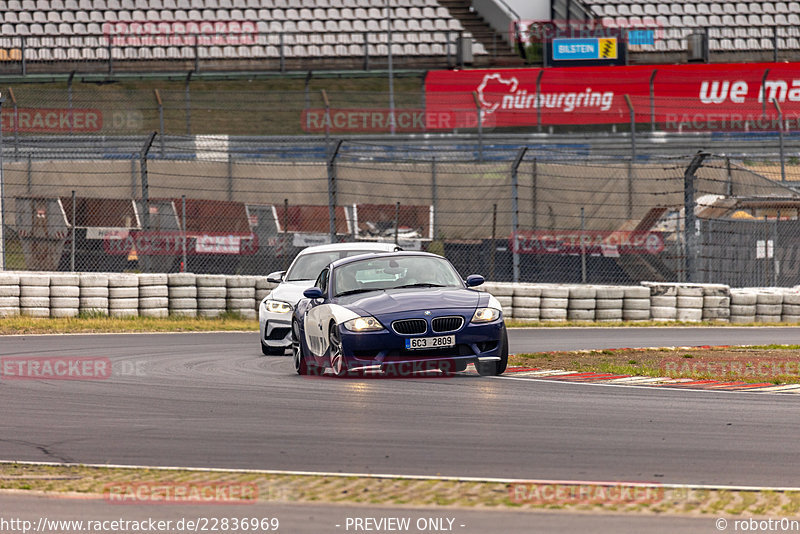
102, 324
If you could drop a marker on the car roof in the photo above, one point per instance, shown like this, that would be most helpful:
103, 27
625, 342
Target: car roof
400, 253
358, 245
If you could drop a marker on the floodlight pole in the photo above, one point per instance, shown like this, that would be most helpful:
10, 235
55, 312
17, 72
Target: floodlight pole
2, 196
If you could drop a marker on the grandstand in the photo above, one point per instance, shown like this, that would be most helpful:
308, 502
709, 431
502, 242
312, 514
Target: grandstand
86, 35
764, 30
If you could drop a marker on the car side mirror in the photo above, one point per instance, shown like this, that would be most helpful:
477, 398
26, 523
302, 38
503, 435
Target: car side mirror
474, 280
313, 293
276, 277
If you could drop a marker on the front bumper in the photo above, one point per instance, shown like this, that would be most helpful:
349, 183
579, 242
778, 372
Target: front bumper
275, 329
385, 348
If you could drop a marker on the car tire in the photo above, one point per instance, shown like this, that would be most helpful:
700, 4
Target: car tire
337, 359
301, 365
499, 367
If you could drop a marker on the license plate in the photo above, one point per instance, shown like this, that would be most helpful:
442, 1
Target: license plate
430, 342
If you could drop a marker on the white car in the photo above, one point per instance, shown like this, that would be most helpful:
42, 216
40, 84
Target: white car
275, 311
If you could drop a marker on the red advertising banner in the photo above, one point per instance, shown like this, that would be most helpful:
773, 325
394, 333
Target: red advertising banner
707, 97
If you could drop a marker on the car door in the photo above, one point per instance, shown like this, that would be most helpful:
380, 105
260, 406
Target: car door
317, 318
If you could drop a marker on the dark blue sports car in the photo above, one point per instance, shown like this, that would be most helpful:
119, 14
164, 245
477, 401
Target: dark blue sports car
407, 311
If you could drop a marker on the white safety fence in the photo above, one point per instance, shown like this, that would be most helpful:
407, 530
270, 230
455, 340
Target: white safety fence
211, 295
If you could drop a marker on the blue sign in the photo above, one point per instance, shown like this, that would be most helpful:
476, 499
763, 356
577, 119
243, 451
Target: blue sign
584, 49
641, 37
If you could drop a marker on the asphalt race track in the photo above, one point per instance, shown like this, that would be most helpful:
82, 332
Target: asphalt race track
212, 400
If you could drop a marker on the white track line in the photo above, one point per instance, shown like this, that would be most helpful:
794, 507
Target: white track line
415, 477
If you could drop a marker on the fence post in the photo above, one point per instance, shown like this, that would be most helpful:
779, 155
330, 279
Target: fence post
633, 155
188, 104
763, 96
24, 65
494, 244
780, 138
197, 53
534, 196
285, 236
145, 191
29, 173
16, 123
332, 190
230, 176
2, 197
72, 246
480, 124
306, 90
184, 267
653, 100
583, 246
327, 115
690, 225
434, 200
539, 100
160, 119
396, 221
729, 184
389, 58
515, 211
69, 99
110, 55
281, 52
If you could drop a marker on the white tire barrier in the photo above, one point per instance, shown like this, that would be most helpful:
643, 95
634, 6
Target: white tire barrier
9, 295
636, 303
34, 295
93, 293
153, 295
123, 295
769, 307
241, 297
211, 306
581, 304
182, 293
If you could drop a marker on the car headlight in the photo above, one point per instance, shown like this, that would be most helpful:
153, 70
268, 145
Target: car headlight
277, 306
485, 315
363, 324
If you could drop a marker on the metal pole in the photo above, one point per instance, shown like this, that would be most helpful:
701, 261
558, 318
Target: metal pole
327, 115
774, 44
653, 100
230, 176
780, 138
2, 197
775, 268
583, 247
434, 200
539, 99
306, 90
24, 59
188, 104
391, 67
197, 53
110, 57
332, 190
534, 194
690, 230
729, 184
678, 254
515, 211
69, 99
184, 266
160, 119
764, 92
72, 247
493, 244
145, 189
480, 124
285, 235
16, 124
282, 52
396, 221
633, 127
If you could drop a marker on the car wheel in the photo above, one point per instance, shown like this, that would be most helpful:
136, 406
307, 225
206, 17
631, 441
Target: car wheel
338, 363
499, 367
300, 364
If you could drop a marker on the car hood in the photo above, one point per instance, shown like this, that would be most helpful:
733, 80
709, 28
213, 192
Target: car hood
399, 300
290, 292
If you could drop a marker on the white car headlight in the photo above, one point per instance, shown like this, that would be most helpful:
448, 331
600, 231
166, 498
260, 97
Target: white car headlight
278, 306
485, 315
363, 324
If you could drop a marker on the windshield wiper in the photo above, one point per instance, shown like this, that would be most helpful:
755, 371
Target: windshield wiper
420, 285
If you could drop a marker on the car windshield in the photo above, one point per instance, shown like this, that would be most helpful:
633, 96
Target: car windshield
308, 266
390, 273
